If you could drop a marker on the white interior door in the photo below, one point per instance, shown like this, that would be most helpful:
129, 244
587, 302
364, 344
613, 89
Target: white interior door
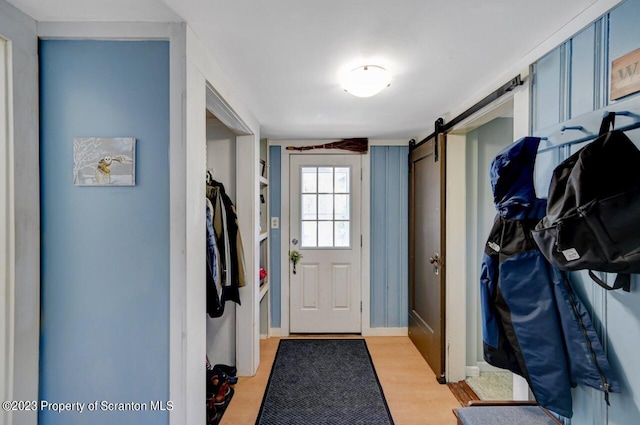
324, 200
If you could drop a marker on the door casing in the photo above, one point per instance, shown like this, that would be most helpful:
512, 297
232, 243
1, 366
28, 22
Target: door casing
366, 240
7, 236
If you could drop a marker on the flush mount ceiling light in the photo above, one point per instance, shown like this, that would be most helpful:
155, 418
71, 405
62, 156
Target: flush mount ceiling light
366, 80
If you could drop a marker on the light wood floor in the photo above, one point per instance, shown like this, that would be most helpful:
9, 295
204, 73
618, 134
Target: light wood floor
410, 387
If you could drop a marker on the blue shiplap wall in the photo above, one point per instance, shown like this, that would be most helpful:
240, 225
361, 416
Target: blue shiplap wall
616, 314
621, 311
275, 196
105, 250
389, 236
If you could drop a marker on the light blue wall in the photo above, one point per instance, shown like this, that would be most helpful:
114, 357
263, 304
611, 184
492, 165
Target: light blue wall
389, 236
583, 58
616, 315
547, 90
275, 197
105, 250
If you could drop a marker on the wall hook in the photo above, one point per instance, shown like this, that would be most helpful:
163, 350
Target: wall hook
571, 127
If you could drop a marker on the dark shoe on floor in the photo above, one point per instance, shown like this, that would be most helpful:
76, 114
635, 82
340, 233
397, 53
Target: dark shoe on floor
229, 370
231, 380
212, 412
220, 399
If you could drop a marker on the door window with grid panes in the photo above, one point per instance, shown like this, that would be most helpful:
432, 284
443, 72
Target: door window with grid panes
325, 201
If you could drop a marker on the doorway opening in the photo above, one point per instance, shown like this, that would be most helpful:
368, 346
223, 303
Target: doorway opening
483, 143
232, 151
476, 142
221, 166
324, 198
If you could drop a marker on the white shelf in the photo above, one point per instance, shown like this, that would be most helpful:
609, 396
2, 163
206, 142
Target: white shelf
263, 236
263, 181
263, 291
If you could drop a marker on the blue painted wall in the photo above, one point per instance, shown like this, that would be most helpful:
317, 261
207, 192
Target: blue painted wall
105, 250
615, 314
275, 240
389, 236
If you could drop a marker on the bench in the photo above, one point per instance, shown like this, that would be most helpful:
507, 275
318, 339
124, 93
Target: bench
486, 412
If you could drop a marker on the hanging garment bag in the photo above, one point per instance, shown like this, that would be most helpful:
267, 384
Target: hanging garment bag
593, 218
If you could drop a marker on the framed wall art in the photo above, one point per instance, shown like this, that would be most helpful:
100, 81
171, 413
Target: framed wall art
101, 161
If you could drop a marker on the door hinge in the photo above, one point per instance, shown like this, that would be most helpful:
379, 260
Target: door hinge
361, 174
361, 240
360, 306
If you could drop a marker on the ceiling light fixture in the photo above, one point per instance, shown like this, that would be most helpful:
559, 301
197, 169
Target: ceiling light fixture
366, 80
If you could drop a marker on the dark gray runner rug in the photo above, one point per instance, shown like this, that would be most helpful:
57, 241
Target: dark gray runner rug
323, 382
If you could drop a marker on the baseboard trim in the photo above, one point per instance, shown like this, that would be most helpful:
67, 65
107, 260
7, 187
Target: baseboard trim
386, 332
472, 371
277, 333
482, 367
486, 367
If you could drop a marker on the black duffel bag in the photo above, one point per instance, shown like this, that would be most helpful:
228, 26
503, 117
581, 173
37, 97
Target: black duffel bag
593, 210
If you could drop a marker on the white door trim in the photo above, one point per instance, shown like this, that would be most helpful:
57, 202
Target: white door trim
365, 229
20, 31
7, 233
365, 277
456, 228
456, 273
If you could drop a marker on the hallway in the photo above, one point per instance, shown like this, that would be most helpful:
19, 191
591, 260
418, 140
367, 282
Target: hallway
410, 387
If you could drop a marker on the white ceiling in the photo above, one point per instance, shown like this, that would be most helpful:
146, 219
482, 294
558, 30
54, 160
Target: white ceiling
284, 56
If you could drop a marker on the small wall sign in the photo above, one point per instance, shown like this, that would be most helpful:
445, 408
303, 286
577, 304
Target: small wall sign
625, 75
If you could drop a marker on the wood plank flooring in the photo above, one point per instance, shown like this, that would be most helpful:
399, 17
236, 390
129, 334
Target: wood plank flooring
410, 387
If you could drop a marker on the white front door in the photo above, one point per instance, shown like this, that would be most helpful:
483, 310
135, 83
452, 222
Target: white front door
324, 201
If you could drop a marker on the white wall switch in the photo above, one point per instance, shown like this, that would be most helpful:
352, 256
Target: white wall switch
275, 222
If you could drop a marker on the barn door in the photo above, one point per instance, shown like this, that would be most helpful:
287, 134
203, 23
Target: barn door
426, 268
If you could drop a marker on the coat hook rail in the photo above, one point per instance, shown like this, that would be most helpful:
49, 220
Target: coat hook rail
589, 137
623, 113
572, 127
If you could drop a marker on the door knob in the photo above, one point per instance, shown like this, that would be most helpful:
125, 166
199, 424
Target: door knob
435, 260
